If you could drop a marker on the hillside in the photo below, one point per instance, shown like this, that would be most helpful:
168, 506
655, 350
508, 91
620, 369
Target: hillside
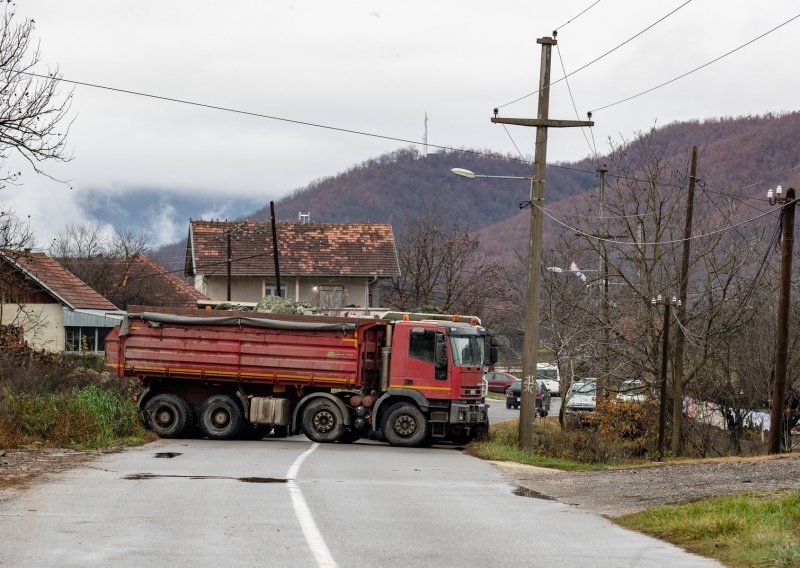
395, 187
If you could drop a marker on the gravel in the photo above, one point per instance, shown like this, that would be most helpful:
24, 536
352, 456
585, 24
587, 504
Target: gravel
623, 491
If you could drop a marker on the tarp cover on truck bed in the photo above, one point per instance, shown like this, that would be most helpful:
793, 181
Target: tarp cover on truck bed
156, 318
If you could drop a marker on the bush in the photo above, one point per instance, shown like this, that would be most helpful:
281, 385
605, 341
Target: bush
88, 417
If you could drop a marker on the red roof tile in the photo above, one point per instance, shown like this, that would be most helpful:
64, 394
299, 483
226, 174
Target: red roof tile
58, 281
305, 249
135, 280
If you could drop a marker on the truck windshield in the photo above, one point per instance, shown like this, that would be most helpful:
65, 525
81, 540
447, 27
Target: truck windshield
468, 350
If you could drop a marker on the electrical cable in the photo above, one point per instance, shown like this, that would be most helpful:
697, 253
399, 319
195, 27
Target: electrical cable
592, 62
650, 90
573, 18
592, 151
669, 242
278, 118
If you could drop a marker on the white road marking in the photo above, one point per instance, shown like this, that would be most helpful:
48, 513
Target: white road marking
313, 537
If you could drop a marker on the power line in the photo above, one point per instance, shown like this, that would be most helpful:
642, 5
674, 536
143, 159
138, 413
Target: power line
281, 119
633, 243
592, 62
650, 90
574, 106
581, 13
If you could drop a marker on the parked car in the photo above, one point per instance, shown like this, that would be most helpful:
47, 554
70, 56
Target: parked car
548, 374
542, 397
499, 382
632, 390
582, 396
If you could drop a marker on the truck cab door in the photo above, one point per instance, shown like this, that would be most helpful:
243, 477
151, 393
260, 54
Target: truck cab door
425, 364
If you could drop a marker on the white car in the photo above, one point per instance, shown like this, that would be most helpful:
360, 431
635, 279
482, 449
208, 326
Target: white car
632, 390
582, 396
548, 374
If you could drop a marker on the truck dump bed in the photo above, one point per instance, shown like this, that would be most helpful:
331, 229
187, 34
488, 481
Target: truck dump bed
247, 347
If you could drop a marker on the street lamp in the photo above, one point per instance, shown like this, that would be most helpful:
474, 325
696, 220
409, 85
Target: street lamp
662, 403
472, 175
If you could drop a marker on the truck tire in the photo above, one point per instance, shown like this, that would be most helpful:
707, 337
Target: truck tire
322, 421
220, 417
405, 425
169, 416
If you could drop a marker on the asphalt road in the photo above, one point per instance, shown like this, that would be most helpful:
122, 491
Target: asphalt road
499, 413
288, 502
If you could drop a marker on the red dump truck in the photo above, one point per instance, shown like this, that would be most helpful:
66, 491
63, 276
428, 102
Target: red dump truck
244, 374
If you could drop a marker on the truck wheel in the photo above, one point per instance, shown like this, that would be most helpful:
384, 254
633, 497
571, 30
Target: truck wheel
322, 421
169, 416
405, 425
220, 417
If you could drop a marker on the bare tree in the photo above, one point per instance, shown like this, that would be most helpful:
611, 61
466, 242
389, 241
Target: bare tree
33, 116
443, 269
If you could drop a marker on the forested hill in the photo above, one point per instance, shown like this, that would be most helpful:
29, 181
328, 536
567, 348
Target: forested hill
399, 186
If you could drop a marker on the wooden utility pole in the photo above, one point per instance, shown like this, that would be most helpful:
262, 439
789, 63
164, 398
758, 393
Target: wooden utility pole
603, 272
275, 249
531, 342
230, 262
677, 380
782, 346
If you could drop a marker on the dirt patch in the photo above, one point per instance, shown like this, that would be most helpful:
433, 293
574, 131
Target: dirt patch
22, 466
619, 492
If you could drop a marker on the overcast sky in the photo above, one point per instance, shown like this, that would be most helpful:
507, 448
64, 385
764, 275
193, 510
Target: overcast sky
373, 66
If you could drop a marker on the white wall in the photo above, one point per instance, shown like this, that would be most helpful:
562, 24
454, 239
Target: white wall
41, 324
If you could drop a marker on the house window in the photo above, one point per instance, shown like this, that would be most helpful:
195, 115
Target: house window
85, 339
331, 297
269, 290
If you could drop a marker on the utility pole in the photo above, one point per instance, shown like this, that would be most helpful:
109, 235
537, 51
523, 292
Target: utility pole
677, 380
275, 249
662, 403
782, 346
603, 272
230, 261
531, 342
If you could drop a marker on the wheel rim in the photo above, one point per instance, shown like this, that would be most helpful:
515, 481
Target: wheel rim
324, 421
164, 416
220, 418
405, 425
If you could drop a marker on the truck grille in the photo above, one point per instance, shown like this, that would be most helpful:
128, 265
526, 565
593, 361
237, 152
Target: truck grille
471, 393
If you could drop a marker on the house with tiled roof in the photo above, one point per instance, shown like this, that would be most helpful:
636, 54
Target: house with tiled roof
134, 280
327, 265
51, 308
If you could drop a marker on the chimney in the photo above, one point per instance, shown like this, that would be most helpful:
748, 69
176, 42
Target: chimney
304, 217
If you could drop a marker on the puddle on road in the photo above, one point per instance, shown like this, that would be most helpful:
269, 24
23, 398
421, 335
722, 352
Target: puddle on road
168, 454
141, 476
525, 492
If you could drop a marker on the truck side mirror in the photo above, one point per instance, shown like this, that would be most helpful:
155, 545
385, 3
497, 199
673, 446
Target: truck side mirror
440, 351
492, 355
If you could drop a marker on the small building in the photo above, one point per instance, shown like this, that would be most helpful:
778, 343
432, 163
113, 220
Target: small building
51, 308
329, 266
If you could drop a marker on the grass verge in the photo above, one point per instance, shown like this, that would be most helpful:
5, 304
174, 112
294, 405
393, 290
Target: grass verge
83, 418
745, 530
502, 445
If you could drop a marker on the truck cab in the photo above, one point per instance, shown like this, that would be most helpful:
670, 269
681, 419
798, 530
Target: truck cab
438, 367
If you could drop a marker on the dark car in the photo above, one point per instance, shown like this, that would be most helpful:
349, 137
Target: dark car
499, 382
542, 397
